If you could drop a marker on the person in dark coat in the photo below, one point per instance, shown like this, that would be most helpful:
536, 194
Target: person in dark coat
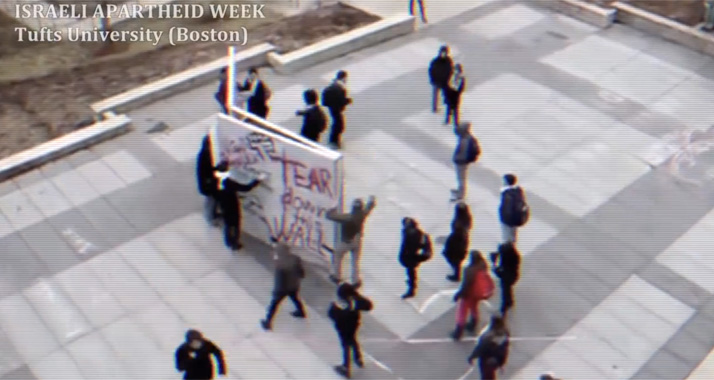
193, 357
336, 99
457, 243
260, 94
422, 11
222, 93
207, 183
416, 248
440, 70
314, 120
289, 272
230, 204
506, 266
492, 349
345, 313
455, 88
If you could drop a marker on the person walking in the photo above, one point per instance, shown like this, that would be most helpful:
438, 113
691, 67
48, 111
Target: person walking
345, 313
422, 11
416, 249
507, 263
207, 183
230, 203
193, 357
476, 286
351, 226
314, 120
467, 152
455, 250
456, 86
514, 210
492, 349
440, 70
260, 93
289, 272
336, 99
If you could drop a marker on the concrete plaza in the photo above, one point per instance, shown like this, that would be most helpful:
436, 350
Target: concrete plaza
106, 259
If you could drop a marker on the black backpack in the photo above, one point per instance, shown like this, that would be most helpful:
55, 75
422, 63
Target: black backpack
473, 150
329, 95
516, 209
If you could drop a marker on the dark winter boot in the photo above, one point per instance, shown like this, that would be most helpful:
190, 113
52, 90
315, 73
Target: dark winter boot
458, 333
409, 294
266, 325
342, 371
471, 326
298, 314
453, 278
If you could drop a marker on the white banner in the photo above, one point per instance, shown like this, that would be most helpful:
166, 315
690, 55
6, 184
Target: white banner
302, 184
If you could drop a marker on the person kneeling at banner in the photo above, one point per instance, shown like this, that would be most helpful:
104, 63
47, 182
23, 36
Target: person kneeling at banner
289, 272
492, 349
230, 203
352, 225
345, 313
314, 120
416, 249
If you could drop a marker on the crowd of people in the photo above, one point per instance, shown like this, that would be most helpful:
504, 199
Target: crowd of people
477, 278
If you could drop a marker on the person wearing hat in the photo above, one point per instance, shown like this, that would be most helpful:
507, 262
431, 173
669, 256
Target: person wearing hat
289, 272
351, 228
193, 357
440, 70
415, 249
345, 313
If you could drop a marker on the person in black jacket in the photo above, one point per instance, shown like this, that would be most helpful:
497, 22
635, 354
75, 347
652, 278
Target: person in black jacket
314, 120
207, 183
289, 272
260, 94
454, 89
440, 71
492, 349
513, 210
455, 250
416, 248
335, 98
506, 266
193, 357
421, 9
345, 313
230, 204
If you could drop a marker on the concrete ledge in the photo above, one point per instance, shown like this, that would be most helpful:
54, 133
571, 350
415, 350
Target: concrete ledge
51, 150
586, 12
665, 28
342, 44
140, 96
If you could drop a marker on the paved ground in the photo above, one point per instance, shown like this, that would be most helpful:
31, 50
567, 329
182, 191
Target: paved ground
106, 256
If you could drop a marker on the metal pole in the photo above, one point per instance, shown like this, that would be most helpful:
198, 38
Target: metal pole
231, 85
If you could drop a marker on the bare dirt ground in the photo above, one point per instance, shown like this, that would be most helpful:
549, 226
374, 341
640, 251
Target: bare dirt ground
37, 105
687, 12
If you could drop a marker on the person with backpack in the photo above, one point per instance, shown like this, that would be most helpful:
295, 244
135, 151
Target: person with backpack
416, 249
440, 70
507, 263
513, 211
207, 183
476, 287
492, 349
314, 120
335, 98
467, 152
453, 92
193, 357
260, 93
345, 313
289, 272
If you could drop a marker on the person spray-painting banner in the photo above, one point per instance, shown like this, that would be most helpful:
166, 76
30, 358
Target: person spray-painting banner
302, 183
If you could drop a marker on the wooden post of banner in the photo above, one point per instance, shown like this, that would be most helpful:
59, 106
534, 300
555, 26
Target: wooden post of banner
231, 86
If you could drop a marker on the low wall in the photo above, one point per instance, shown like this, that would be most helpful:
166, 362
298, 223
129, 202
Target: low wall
586, 12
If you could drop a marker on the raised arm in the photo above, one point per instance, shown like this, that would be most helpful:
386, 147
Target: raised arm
335, 216
232, 185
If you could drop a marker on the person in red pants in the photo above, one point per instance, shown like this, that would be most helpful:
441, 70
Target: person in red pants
477, 285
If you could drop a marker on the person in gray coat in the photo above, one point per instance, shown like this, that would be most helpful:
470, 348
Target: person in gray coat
289, 272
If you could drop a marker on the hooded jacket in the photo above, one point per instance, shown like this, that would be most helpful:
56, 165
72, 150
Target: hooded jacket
346, 314
440, 71
492, 347
197, 364
289, 271
416, 246
457, 246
